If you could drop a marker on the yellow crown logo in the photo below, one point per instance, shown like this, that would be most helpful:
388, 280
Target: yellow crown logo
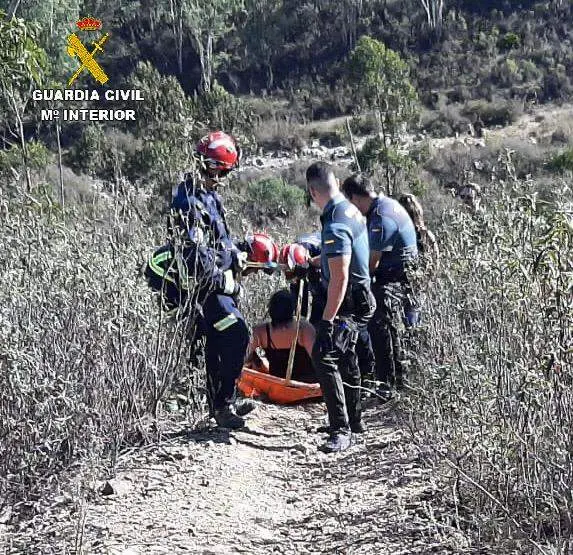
89, 24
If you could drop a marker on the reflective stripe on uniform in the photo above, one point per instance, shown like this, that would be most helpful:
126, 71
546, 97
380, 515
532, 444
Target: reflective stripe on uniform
226, 322
154, 265
229, 282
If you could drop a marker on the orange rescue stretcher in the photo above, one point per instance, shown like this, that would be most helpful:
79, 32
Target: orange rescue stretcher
259, 383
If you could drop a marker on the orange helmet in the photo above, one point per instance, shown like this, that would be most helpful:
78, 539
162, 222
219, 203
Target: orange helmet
294, 255
219, 151
262, 248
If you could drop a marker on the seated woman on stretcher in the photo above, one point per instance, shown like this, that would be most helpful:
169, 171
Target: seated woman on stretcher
276, 337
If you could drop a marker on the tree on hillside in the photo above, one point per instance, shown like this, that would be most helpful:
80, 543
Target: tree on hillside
434, 14
22, 63
206, 21
261, 34
382, 84
55, 20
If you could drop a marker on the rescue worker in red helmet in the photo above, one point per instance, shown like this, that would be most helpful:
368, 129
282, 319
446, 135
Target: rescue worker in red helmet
299, 257
198, 221
261, 248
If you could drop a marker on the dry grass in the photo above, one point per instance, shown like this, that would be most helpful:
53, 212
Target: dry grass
84, 362
493, 391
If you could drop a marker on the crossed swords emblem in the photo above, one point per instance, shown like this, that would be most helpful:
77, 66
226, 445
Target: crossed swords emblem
87, 58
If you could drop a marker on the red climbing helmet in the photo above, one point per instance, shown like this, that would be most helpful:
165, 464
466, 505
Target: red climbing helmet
262, 248
219, 151
294, 255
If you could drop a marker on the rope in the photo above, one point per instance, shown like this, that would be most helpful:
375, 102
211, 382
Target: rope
295, 338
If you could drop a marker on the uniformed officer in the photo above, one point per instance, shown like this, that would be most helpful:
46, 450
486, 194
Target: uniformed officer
349, 302
392, 239
202, 248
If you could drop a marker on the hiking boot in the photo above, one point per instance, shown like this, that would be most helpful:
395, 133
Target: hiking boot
384, 393
357, 427
244, 406
338, 441
227, 418
323, 429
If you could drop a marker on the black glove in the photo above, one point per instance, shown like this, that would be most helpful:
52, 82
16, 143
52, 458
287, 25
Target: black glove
300, 271
325, 336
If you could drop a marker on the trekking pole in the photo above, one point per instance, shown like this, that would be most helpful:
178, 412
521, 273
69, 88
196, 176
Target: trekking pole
295, 338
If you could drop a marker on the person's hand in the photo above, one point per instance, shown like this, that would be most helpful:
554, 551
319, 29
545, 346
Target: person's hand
298, 272
325, 336
240, 260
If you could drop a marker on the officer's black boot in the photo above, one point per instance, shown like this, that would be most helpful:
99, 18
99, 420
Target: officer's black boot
337, 441
244, 406
228, 418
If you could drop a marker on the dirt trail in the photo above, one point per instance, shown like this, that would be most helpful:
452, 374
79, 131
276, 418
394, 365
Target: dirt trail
268, 490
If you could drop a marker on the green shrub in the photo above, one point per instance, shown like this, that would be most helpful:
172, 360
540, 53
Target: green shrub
11, 160
219, 109
95, 153
493, 113
328, 138
274, 197
493, 390
84, 361
562, 162
509, 41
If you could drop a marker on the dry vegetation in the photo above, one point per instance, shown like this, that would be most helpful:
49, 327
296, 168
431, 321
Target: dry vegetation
88, 365
492, 395
83, 360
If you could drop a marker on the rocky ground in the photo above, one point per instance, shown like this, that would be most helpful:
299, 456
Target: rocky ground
263, 490
532, 127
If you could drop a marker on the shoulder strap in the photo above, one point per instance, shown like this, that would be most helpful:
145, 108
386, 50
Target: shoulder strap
270, 343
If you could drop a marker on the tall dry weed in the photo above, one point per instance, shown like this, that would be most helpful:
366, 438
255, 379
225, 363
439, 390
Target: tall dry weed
84, 357
493, 394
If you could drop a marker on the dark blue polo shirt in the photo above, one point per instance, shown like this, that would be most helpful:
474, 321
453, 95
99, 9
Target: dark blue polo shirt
344, 232
391, 232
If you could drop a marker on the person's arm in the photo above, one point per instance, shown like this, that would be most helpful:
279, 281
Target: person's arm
307, 337
254, 343
381, 230
315, 261
339, 267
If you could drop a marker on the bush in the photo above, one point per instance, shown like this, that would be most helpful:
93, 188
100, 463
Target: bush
562, 162
273, 198
327, 138
509, 41
493, 113
493, 395
99, 152
12, 162
84, 362
445, 122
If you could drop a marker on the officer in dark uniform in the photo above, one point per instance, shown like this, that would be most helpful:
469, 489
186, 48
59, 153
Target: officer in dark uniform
349, 302
207, 263
393, 248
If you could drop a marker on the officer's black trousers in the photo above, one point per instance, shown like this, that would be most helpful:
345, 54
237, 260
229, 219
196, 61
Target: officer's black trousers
385, 335
365, 352
224, 356
339, 377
